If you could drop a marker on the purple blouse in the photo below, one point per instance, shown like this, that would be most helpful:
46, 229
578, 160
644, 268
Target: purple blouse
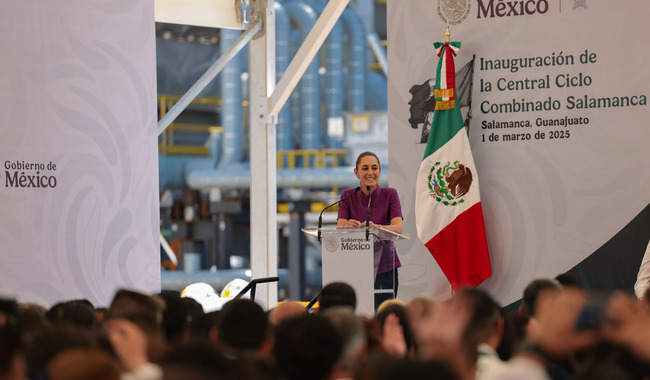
384, 206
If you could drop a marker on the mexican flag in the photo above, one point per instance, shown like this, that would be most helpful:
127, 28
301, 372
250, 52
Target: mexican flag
448, 210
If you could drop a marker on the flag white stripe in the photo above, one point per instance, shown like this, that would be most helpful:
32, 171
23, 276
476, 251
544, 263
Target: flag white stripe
431, 215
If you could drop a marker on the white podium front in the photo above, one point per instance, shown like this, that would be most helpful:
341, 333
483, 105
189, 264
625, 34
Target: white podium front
348, 257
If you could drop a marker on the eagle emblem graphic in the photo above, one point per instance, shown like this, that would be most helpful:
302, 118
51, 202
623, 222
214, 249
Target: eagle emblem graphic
448, 183
454, 11
332, 244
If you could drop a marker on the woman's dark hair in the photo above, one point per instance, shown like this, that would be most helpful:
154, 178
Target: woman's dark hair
364, 154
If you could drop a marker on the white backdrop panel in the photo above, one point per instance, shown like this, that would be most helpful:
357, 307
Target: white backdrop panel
77, 104
548, 203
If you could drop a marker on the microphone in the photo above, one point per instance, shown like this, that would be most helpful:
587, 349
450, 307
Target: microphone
320, 217
368, 215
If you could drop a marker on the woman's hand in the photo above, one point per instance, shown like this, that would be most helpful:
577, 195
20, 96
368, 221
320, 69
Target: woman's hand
348, 223
351, 223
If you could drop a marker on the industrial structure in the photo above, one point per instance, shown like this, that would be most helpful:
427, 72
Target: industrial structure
208, 136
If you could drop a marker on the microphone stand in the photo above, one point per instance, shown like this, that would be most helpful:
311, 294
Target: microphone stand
368, 214
320, 217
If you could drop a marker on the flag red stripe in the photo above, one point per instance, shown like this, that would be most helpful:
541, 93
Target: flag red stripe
461, 251
451, 70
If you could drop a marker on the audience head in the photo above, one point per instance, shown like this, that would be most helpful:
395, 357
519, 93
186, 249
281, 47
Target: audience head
80, 313
306, 347
485, 324
83, 364
352, 334
145, 312
205, 327
419, 307
48, 343
178, 315
141, 309
243, 325
532, 292
566, 279
388, 302
285, 310
30, 322
337, 294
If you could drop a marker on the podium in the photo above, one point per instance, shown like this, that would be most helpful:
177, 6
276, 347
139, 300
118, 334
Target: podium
348, 257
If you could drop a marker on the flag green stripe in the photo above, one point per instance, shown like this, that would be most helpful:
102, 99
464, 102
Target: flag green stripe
445, 125
439, 67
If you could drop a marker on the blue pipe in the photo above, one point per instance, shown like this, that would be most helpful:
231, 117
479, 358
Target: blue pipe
239, 178
377, 90
295, 39
356, 79
172, 170
333, 80
231, 109
282, 59
305, 18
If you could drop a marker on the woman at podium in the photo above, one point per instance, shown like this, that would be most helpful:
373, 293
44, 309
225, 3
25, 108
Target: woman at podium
381, 208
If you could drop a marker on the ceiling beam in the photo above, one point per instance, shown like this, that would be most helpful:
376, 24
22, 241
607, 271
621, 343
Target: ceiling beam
209, 13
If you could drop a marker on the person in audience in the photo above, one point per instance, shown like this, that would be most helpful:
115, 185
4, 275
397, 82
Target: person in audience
374, 334
376, 364
604, 371
388, 302
133, 327
285, 310
419, 308
31, 321
13, 365
417, 370
484, 330
353, 338
456, 339
306, 348
532, 292
8, 311
337, 294
510, 340
83, 364
80, 313
50, 341
205, 327
567, 280
643, 277
441, 338
243, 329
177, 316
198, 360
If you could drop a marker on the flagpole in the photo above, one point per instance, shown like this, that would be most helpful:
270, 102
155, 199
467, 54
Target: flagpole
447, 33
447, 38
